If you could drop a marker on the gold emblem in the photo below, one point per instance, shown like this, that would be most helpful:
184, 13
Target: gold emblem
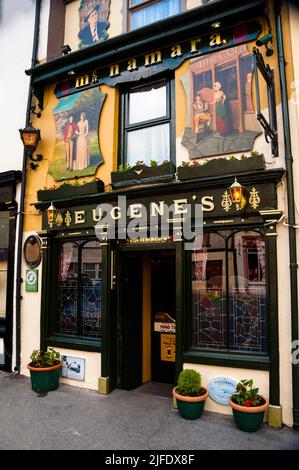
226, 202
67, 218
254, 198
59, 220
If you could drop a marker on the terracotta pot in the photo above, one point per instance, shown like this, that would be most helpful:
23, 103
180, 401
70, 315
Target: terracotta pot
190, 407
44, 379
249, 418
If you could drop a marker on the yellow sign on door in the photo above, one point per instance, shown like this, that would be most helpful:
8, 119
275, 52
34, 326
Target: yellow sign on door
168, 348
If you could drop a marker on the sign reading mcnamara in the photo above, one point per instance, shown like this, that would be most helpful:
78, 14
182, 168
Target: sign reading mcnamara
165, 58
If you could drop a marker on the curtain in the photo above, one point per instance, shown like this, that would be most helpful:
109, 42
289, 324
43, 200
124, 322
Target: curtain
146, 105
154, 12
65, 260
260, 244
150, 143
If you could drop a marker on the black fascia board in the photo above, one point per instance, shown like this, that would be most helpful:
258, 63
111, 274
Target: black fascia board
10, 177
192, 23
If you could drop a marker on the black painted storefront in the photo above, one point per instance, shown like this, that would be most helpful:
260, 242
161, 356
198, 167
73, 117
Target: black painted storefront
121, 327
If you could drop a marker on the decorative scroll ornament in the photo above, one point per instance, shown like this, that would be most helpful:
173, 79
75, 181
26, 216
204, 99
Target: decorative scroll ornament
68, 218
254, 198
226, 202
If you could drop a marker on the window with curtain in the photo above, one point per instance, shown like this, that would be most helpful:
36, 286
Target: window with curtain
79, 289
229, 292
143, 12
147, 123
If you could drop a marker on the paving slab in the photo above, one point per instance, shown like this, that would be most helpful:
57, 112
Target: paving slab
72, 418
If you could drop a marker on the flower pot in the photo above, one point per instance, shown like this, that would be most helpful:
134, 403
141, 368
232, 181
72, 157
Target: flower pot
68, 190
140, 174
44, 379
249, 419
221, 166
190, 407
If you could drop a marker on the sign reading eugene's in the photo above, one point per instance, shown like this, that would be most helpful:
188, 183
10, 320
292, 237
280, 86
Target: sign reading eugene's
165, 58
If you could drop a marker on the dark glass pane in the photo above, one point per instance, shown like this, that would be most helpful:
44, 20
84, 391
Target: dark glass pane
209, 293
247, 297
91, 289
67, 304
4, 237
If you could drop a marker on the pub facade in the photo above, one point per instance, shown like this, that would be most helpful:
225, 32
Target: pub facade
160, 198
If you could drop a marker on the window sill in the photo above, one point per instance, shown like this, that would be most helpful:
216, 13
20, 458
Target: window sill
224, 359
78, 344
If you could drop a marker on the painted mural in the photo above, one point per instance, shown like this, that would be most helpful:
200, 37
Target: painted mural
77, 148
93, 22
220, 112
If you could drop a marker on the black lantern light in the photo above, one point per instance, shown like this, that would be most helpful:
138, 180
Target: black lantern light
237, 195
51, 215
30, 137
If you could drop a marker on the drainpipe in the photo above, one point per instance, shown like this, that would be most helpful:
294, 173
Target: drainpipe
22, 196
291, 205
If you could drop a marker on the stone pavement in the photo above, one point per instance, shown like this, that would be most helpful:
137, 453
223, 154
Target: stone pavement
71, 418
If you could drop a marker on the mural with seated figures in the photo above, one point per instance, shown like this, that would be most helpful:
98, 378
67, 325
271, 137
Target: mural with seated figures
220, 112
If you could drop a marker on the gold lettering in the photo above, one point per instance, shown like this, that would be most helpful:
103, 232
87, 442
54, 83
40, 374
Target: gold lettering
96, 214
194, 43
114, 70
215, 40
157, 209
79, 217
176, 51
179, 206
153, 58
207, 203
82, 81
132, 65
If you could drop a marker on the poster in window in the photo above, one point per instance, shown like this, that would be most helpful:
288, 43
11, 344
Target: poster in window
77, 147
93, 22
220, 113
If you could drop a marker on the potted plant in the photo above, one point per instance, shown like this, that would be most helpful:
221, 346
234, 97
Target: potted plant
190, 395
44, 370
67, 190
141, 173
248, 406
221, 166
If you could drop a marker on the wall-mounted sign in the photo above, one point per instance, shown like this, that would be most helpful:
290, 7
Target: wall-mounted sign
31, 284
164, 327
32, 251
156, 61
168, 348
73, 367
221, 388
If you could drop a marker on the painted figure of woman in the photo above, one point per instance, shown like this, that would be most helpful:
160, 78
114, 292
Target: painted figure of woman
82, 154
219, 100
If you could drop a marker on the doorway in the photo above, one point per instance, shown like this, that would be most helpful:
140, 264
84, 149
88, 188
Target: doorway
146, 312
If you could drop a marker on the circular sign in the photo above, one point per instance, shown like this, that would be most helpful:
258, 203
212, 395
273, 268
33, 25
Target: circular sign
32, 251
31, 277
221, 388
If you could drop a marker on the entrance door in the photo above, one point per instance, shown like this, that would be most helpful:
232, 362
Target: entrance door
163, 293
130, 321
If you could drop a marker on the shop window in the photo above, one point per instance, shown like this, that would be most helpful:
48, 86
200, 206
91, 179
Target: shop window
79, 289
143, 12
229, 292
147, 123
4, 241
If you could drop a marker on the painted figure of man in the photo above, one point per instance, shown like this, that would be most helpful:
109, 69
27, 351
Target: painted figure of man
95, 30
201, 113
69, 136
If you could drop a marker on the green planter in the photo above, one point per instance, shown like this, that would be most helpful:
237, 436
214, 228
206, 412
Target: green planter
68, 190
44, 379
222, 166
249, 419
190, 407
140, 174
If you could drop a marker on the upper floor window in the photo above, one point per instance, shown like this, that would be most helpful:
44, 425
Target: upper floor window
147, 123
143, 12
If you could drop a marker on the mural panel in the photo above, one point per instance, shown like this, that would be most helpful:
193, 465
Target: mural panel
93, 16
77, 149
220, 113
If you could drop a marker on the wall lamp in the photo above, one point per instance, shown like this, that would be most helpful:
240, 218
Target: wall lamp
30, 137
51, 215
264, 42
237, 192
65, 50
